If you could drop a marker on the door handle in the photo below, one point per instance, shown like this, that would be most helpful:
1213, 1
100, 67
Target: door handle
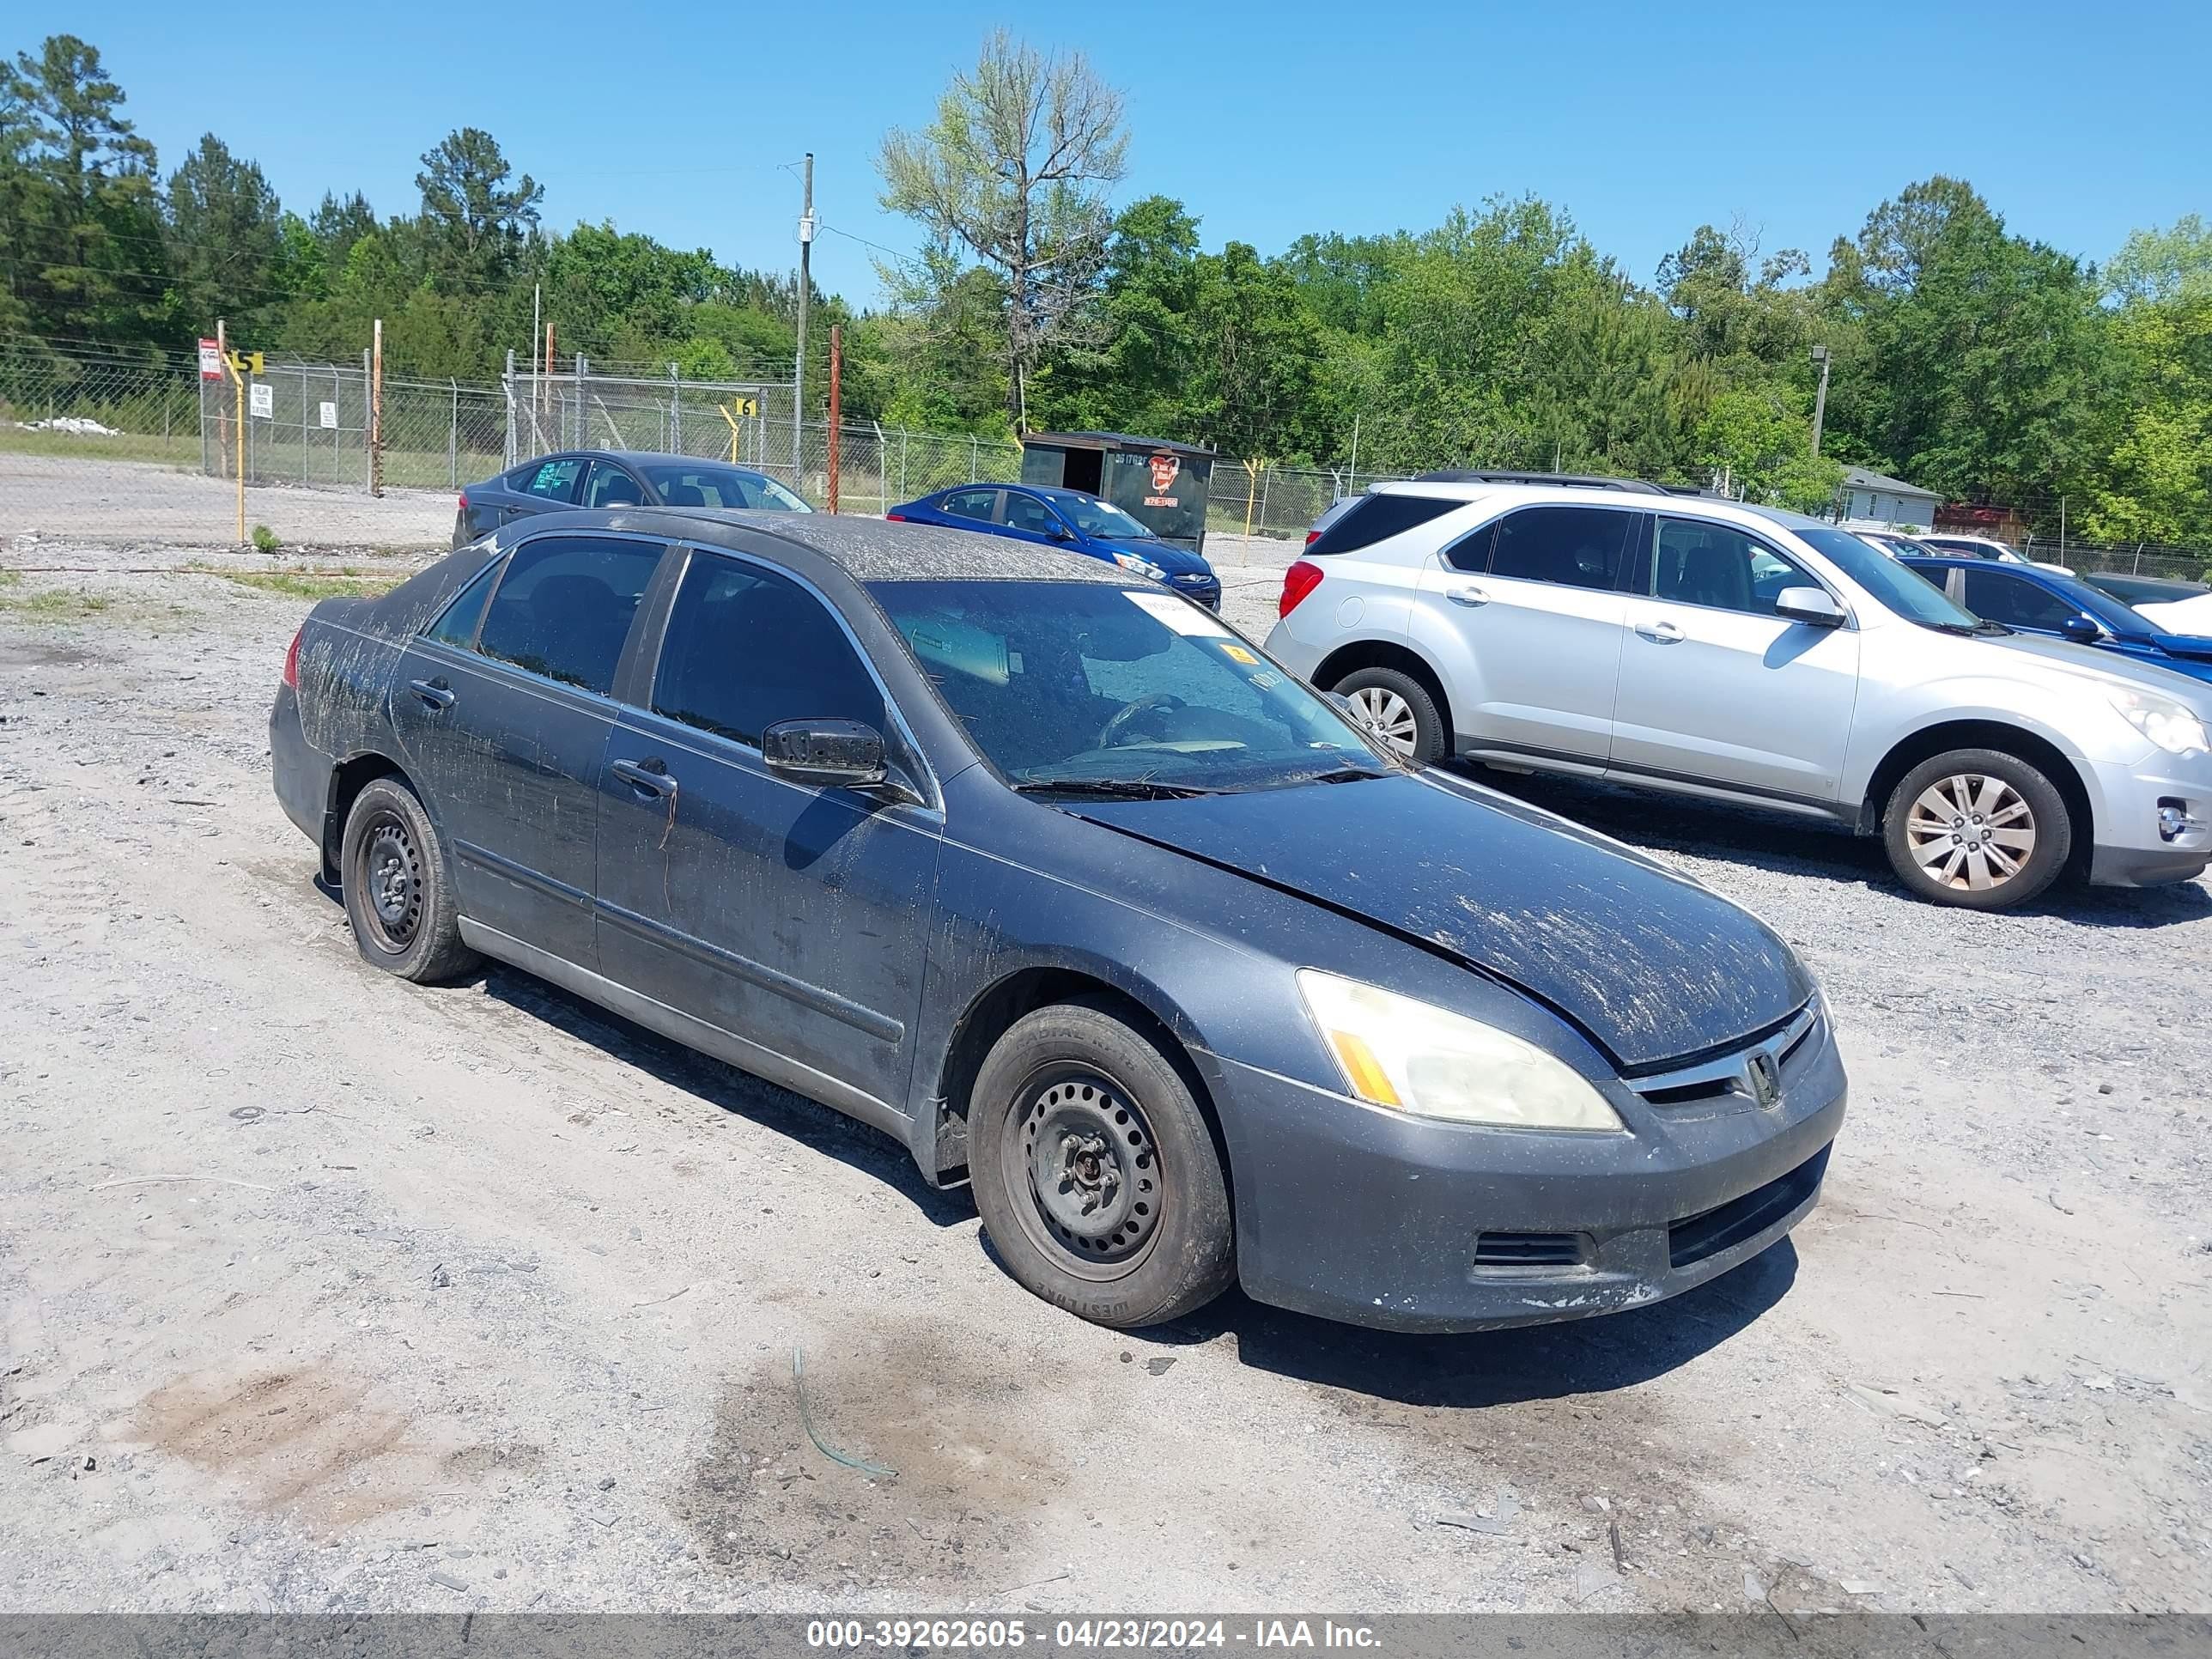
436, 693
1466, 593
647, 777
1661, 633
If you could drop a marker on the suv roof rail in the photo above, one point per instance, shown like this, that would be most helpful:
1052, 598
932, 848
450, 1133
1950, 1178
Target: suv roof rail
1571, 480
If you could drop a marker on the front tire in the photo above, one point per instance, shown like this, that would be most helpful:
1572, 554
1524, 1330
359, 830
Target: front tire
393, 873
1096, 1172
1399, 712
1977, 828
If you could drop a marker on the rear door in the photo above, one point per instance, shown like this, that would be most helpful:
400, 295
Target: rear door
791, 917
545, 486
1715, 687
970, 509
502, 713
1533, 607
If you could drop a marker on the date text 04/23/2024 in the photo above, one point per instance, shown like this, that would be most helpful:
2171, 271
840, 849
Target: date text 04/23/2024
1084, 1634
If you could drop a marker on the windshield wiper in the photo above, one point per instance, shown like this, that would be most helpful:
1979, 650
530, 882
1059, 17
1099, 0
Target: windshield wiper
1114, 788
1338, 774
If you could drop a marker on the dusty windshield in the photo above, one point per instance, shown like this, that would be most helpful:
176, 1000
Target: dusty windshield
1081, 684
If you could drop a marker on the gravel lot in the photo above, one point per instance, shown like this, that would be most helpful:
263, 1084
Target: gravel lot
321, 1290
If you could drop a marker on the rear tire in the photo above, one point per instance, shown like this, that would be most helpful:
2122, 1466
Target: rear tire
1398, 710
1096, 1172
1977, 828
393, 873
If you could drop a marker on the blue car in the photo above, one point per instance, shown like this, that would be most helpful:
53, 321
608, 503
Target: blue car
1070, 519
2032, 600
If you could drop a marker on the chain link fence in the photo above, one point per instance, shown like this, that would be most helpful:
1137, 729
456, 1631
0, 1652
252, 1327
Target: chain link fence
103, 444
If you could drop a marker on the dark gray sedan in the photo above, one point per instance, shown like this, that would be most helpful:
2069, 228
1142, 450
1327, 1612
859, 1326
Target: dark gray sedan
611, 479
1070, 889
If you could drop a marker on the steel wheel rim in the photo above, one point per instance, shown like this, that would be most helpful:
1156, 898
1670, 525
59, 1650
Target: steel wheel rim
1972, 832
1388, 715
391, 882
1091, 1186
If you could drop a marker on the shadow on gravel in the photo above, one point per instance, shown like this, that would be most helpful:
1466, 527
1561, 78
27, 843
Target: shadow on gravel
817, 1128
1789, 845
1496, 1367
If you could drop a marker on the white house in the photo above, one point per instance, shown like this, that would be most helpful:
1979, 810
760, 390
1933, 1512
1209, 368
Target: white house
1880, 500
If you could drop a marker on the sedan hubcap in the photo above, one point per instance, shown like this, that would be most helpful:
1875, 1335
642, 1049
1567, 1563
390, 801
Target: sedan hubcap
1094, 1174
392, 883
1970, 831
1388, 715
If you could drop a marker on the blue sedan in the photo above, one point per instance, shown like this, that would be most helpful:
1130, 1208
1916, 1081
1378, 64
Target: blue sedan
2032, 600
1071, 520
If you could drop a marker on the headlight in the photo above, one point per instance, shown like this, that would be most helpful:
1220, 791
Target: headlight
2164, 722
1430, 1063
1142, 567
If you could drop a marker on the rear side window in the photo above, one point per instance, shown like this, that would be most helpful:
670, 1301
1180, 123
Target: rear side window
1377, 518
972, 503
565, 607
1572, 546
555, 481
458, 625
747, 647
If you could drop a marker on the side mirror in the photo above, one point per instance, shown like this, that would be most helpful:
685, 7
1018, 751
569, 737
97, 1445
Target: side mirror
1061, 532
2081, 629
825, 754
1809, 606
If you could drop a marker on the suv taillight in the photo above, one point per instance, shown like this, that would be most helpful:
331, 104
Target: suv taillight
292, 662
1300, 580
1312, 536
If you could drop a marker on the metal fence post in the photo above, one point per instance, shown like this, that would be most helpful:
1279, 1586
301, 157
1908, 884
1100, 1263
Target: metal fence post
675, 411
454, 438
506, 386
975, 456
578, 441
368, 459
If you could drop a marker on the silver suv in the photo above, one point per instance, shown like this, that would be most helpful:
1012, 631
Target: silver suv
1618, 630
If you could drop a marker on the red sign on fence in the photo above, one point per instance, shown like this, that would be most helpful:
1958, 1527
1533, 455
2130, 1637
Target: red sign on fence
210, 361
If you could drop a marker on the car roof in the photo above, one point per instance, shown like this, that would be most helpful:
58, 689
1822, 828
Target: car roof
867, 549
1655, 499
639, 457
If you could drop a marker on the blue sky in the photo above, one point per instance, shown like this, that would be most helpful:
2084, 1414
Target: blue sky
1268, 119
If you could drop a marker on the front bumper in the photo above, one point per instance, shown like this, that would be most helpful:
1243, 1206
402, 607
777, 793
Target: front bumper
1206, 591
1372, 1218
2133, 847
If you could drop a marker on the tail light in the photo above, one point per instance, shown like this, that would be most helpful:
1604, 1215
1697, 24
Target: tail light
895, 517
292, 662
1312, 536
1300, 580
464, 507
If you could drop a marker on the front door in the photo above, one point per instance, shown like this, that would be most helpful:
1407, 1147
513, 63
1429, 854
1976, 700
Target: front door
1715, 687
795, 918
1534, 603
502, 720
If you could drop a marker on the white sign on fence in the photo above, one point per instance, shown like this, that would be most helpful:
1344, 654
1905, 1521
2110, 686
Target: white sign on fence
261, 401
210, 361
329, 416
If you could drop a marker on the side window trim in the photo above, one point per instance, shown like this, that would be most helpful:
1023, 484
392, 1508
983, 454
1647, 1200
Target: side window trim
1649, 583
1619, 585
496, 568
630, 641
647, 680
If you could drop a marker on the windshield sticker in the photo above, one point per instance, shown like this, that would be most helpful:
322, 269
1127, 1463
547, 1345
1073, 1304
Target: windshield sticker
1178, 614
1236, 653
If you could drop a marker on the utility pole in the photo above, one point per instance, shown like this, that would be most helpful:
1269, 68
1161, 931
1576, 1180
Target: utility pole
805, 294
837, 371
376, 411
1820, 399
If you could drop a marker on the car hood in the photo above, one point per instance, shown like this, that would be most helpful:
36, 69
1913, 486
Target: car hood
1649, 965
2107, 669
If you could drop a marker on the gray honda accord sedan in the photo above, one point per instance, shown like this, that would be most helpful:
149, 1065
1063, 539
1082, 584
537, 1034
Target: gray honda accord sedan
1069, 888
